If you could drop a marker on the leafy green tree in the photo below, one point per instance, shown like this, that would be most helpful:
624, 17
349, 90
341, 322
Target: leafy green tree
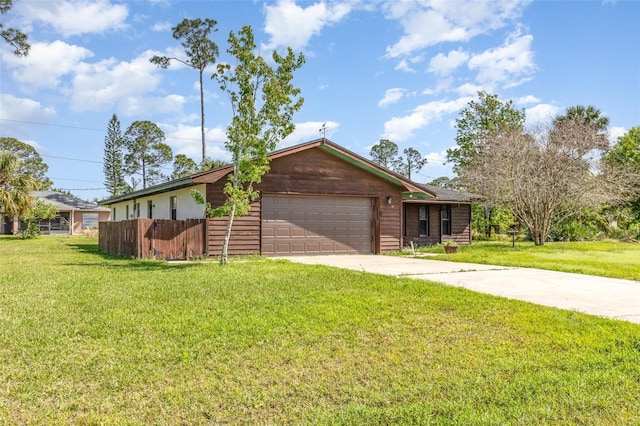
385, 153
413, 162
478, 123
500, 219
626, 154
14, 37
444, 182
183, 166
200, 51
263, 102
146, 152
546, 176
210, 163
15, 185
40, 211
30, 161
113, 166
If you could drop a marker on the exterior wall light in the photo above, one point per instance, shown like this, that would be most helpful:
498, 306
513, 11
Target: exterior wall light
389, 199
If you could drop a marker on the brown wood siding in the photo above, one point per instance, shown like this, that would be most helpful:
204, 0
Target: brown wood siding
460, 225
313, 172
412, 225
390, 221
245, 231
316, 172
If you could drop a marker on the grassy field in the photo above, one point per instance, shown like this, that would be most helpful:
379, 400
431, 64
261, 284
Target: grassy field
89, 339
604, 258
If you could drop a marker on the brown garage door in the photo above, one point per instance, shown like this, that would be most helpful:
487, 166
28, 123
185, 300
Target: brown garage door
316, 225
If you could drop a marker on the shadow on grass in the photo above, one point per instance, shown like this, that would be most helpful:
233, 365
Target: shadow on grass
122, 262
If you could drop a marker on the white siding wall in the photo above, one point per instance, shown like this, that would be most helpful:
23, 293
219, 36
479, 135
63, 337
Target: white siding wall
187, 207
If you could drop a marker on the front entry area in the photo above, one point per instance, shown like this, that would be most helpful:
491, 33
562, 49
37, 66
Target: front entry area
299, 225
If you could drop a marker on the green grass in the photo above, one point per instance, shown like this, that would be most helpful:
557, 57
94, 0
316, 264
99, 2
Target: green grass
90, 339
603, 258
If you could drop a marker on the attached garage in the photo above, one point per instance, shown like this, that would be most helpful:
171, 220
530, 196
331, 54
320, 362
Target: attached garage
293, 225
317, 198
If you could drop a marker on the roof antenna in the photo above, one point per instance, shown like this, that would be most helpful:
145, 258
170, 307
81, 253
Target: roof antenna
323, 130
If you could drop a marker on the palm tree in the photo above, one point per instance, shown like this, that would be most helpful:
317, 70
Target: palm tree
586, 116
15, 187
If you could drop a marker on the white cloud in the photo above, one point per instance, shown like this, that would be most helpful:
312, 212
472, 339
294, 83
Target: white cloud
399, 129
162, 26
513, 59
184, 139
615, 132
308, 131
47, 63
146, 106
428, 23
15, 111
541, 113
71, 18
469, 89
434, 158
99, 86
391, 96
291, 25
403, 65
526, 100
446, 64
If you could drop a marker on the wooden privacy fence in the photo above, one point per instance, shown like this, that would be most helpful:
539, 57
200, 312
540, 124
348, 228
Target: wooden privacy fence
154, 238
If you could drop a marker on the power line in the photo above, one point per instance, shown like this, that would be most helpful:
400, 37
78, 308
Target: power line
73, 159
76, 180
90, 161
53, 125
82, 189
83, 128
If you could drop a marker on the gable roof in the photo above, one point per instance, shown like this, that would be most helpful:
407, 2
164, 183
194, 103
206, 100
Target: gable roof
64, 202
214, 175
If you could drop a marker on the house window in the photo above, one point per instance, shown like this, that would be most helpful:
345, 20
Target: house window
113, 214
150, 209
445, 218
423, 220
90, 220
126, 211
136, 210
173, 207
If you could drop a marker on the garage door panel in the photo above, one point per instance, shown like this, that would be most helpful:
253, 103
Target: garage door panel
317, 225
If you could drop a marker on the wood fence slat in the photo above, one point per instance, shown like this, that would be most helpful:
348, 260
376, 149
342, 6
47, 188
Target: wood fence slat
159, 238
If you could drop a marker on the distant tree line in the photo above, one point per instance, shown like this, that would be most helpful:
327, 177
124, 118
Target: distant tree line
560, 180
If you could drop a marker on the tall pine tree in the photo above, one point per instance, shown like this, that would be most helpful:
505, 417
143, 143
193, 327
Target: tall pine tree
113, 166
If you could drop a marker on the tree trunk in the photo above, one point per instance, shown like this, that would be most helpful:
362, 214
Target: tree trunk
227, 235
488, 213
202, 118
538, 237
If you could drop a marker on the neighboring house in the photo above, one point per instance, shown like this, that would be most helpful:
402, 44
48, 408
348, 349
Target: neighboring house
74, 215
318, 198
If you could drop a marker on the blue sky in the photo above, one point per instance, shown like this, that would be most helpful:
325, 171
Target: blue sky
400, 70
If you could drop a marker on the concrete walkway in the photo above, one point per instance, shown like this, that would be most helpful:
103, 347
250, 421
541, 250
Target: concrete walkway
604, 297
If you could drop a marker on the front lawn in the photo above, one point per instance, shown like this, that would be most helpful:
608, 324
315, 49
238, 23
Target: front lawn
603, 258
90, 339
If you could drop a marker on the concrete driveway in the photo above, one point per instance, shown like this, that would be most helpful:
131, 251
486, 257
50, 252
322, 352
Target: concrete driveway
604, 297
